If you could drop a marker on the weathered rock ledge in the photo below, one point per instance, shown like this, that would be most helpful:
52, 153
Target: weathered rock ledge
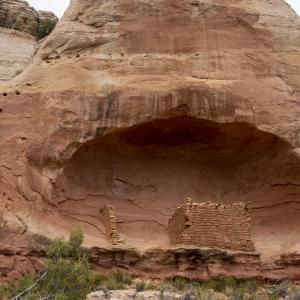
140, 104
192, 263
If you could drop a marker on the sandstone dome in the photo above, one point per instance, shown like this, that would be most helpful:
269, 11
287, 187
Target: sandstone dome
140, 104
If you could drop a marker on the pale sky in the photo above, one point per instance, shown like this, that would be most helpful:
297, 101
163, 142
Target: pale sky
295, 4
59, 6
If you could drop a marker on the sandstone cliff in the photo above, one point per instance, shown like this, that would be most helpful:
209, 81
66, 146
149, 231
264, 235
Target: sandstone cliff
43, 14
18, 15
16, 50
17, 20
139, 104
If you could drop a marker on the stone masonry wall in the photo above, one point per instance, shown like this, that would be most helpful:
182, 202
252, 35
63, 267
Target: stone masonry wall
177, 225
109, 221
212, 225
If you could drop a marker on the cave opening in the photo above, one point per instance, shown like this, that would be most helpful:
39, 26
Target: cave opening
146, 171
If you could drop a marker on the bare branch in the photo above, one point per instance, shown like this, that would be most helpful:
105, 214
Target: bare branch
26, 291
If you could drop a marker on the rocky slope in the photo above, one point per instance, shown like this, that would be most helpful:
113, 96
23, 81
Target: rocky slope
140, 104
17, 20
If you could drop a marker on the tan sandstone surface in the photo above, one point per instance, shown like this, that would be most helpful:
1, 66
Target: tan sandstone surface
18, 15
139, 104
17, 44
16, 51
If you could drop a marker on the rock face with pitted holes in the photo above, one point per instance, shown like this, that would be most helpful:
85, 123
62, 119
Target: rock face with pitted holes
140, 104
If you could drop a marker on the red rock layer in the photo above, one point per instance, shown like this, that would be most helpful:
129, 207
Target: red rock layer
141, 104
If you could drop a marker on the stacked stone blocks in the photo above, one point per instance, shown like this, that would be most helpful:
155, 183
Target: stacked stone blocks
109, 221
212, 225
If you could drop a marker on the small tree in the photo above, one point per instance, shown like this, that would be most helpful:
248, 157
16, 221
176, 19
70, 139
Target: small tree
43, 28
67, 274
67, 269
75, 241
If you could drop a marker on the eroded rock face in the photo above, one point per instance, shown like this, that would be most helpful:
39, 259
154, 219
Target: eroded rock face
141, 104
47, 15
17, 20
16, 51
18, 15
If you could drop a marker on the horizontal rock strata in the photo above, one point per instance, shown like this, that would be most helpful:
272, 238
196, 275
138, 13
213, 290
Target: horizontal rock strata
140, 104
18, 15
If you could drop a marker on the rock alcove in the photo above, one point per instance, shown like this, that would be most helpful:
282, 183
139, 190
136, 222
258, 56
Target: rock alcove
147, 170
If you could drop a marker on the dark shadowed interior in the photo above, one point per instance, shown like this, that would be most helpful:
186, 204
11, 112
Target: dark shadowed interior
148, 170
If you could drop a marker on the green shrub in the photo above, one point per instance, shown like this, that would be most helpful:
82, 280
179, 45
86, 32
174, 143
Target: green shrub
179, 283
58, 249
67, 278
75, 241
67, 269
220, 284
140, 287
281, 290
117, 281
127, 279
204, 294
151, 286
67, 274
294, 295
3, 290
43, 28
97, 280
249, 286
162, 294
8, 291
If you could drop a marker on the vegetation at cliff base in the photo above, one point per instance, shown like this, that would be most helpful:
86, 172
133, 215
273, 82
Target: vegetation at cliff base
67, 276
43, 28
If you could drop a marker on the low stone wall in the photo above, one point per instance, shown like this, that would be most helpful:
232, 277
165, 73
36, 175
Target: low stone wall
108, 218
212, 225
